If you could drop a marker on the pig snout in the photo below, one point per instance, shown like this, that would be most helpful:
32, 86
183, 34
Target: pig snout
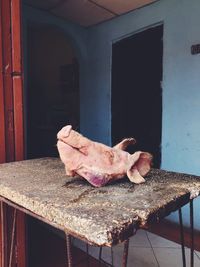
64, 132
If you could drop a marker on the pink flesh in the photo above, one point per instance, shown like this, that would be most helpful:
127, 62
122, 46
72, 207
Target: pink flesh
98, 163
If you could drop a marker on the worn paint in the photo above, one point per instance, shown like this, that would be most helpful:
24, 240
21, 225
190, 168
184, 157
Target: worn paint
181, 79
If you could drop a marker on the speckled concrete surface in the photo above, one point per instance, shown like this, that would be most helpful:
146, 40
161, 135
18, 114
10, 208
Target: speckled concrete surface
102, 216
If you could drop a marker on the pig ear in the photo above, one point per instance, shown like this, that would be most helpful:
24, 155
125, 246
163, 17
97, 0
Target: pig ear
139, 166
144, 162
125, 143
134, 176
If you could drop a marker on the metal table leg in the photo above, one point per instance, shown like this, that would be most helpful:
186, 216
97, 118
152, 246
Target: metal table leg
124, 259
112, 257
12, 238
104, 262
125, 253
87, 251
191, 234
182, 237
69, 251
100, 256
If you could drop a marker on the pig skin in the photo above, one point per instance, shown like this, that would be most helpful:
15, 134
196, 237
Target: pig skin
98, 163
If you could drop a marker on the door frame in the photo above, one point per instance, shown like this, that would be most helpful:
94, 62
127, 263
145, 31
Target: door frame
11, 119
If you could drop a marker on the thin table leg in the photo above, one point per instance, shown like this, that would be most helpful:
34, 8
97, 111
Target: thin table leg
4, 242
112, 258
192, 234
69, 251
182, 237
100, 256
125, 253
6, 254
12, 238
103, 261
87, 251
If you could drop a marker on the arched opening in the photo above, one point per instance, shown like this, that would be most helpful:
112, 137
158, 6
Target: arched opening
51, 101
52, 95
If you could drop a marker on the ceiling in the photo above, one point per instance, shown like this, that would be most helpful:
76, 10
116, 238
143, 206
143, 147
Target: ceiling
88, 12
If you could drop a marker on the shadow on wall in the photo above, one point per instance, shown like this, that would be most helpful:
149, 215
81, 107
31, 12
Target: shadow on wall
52, 88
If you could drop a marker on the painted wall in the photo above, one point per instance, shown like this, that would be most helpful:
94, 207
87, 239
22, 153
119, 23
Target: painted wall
181, 78
75, 35
181, 81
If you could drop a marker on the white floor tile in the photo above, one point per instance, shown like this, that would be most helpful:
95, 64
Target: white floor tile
93, 251
107, 254
138, 256
159, 242
198, 254
79, 244
167, 253
140, 240
168, 257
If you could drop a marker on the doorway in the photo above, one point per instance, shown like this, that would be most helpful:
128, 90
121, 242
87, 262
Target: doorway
52, 89
52, 101
137, 91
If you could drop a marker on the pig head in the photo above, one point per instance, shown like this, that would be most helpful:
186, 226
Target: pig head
98, 163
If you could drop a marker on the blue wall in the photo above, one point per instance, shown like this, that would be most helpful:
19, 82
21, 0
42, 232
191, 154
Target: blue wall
181, 77
181, 81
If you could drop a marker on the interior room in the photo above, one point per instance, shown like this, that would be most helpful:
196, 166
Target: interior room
112, 70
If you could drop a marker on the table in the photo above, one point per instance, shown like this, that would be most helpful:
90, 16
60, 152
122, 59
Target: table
102, 216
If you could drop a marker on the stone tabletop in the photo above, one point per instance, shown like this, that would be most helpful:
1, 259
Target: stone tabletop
101, 216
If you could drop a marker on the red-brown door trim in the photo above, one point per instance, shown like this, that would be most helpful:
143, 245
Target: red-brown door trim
11, 120
7, 79
2, 114
17, 74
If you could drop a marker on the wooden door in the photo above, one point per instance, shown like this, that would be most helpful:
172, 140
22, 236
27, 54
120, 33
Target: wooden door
11, 123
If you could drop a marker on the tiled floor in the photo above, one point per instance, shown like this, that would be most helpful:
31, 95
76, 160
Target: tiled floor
145, 250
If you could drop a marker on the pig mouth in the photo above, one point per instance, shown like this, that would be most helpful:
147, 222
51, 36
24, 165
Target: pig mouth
61, 142
97, 180
81, 149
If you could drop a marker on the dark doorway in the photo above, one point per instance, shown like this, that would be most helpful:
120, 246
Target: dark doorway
52, 101
52, 89
137, 92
